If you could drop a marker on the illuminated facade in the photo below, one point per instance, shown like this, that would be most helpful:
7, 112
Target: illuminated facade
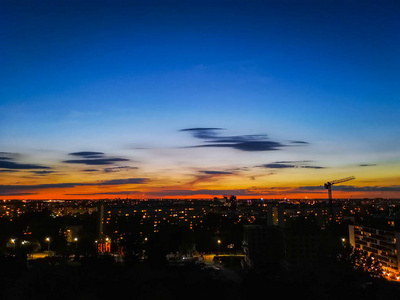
72, 232
280, 215
104, 242
382, 245
104, 245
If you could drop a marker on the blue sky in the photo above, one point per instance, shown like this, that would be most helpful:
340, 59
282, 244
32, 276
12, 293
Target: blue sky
125, 77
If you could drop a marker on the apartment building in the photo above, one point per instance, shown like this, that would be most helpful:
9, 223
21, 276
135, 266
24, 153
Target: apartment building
383, 245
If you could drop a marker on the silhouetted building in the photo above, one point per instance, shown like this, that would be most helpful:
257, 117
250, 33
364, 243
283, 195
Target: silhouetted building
255, 246
262, 247
103, 242
304, 249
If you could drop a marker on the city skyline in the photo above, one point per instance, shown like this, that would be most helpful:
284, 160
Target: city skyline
196, 100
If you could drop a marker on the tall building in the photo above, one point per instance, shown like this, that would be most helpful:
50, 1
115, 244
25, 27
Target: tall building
302, 239
275, 215
103, 242
304, 248
262, 246
382, 245
282, 215
254, 246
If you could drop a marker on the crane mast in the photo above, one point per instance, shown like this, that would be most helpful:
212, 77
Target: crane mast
328, 186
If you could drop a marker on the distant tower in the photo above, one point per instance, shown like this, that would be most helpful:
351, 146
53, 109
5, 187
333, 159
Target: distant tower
104, 242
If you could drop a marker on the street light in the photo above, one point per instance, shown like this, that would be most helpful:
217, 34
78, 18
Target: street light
13, 242
48, 246
219, 243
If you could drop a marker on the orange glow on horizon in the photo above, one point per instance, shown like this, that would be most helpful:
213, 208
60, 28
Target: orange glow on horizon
249, 184
67, 195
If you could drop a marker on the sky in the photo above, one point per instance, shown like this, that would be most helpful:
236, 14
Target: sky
199, 99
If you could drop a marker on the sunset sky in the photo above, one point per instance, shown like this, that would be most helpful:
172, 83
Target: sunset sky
197, 99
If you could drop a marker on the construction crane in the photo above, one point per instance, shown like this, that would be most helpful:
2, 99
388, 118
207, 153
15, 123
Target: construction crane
328, 186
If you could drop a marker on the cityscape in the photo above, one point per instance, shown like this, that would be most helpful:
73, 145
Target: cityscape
199, 149
335, 251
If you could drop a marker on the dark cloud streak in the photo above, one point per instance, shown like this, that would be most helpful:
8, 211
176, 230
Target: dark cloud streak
278, 166
91, 158
203, 133
88, 154
17, 166
290, 165
10, 189
119, 169
216, 172
166, 193
41, 172
96, 161
257, 142
107, 193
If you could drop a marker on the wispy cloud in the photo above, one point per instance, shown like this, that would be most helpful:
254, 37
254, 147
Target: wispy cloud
7, 161
42, 173
212, 192
119, 169
203, 133
208, 176
93, 158
107, 193
12, 189
212, 138
17, 194
290, 164
277, 166
299, 142
367, 165
123, 181
88, 154
95, 162
19, 166
216, 172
